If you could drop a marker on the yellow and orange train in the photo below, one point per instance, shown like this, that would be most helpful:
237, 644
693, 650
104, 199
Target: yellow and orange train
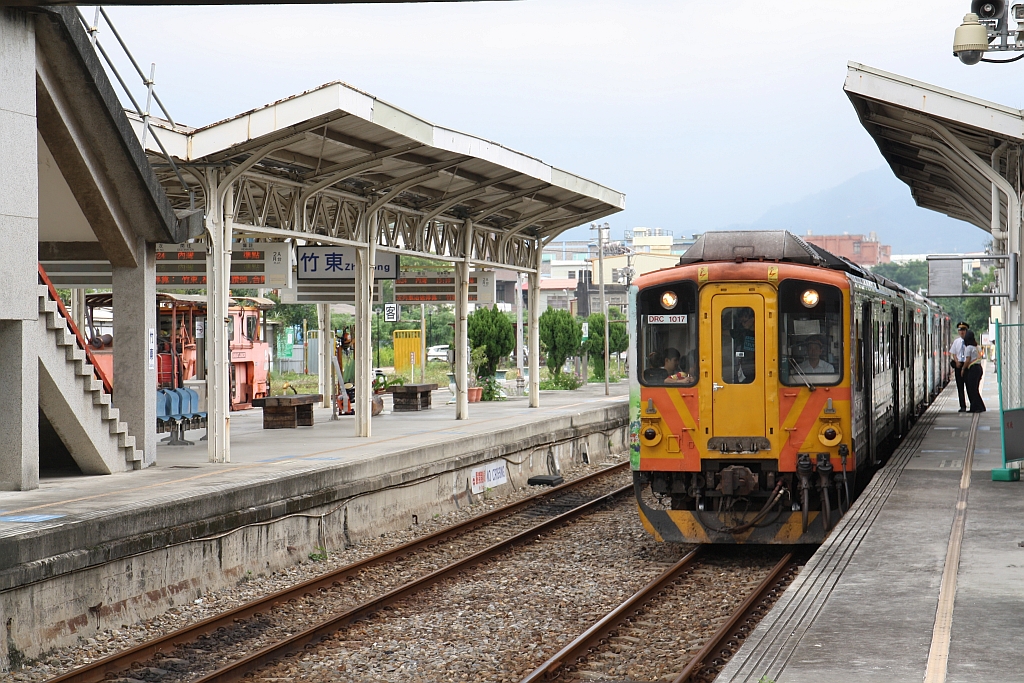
767, 379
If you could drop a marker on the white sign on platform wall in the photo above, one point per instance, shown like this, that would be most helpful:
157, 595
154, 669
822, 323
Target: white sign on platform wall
279, 264
489, 476
152, 349
485, 285
339, 263
391, 314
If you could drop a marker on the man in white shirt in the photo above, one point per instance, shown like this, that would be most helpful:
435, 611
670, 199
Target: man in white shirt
813, 364
956, 361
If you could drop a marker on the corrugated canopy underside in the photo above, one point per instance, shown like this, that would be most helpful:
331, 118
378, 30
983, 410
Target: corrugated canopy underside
910, 122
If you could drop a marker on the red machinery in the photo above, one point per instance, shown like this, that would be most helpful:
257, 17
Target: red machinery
180, 319
250, 357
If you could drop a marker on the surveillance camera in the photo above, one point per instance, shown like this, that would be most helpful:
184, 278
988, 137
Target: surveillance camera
970, 40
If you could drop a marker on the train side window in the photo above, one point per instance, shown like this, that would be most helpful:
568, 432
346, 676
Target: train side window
668, 322
810, 333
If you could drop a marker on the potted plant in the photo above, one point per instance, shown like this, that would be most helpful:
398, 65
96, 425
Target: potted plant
477, 360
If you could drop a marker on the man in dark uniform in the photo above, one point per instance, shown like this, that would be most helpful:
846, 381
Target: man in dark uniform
956, 361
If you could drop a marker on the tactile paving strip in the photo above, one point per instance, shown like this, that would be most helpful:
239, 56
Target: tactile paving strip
770, 646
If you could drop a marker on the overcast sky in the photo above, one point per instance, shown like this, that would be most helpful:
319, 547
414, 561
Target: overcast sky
704, 114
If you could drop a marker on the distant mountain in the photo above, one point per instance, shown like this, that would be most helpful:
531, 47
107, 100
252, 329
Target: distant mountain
875, 201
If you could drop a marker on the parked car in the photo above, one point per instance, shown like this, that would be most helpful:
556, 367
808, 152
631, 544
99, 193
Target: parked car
439, 353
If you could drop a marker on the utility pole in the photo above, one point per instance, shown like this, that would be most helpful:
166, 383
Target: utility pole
602, 233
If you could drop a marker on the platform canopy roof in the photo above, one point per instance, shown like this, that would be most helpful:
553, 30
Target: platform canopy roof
941, 143
311, 165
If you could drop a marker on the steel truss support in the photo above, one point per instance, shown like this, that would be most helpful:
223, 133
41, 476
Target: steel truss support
265, 202
984, 169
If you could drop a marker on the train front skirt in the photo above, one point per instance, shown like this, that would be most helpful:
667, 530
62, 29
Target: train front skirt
705, 526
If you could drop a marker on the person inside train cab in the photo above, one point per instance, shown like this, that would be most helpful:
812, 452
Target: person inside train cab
655, 372
744, 343
675, 373
956, 362
814, 364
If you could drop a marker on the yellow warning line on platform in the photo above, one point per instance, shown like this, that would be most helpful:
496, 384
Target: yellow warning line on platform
938, 654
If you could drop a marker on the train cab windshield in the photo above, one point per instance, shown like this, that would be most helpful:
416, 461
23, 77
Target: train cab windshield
811, 333
668, 352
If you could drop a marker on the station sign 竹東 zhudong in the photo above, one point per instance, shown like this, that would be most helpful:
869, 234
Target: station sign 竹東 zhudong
339, 263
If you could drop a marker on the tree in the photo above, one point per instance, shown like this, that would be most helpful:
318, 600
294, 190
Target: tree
618, 340
561, 335
491, 329
618, 337
913, 275
972, 310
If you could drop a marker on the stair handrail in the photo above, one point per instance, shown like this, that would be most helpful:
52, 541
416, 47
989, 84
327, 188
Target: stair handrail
82, 344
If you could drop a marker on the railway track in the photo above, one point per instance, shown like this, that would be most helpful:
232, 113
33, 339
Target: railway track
243, 639
635, 632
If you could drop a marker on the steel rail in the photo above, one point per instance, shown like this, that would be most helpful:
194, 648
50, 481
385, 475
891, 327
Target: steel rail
239, 668
595, 634
98, 671
713, 648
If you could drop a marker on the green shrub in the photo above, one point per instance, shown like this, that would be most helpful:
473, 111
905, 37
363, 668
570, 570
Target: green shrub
562, 381
491, 392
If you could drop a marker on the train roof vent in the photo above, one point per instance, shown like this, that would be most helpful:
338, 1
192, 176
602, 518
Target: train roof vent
752, 245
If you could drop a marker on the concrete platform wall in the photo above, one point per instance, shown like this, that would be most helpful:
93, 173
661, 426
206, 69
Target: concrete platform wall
54, 601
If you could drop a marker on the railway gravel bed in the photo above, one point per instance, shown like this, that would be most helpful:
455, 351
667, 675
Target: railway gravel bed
262, 630
661, 640
500, 620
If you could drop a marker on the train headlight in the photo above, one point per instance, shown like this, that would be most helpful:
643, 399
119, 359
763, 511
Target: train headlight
830, 435
809, 298
650, 435
669, 300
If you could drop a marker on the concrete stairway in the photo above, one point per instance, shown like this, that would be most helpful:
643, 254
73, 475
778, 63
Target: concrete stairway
74, 401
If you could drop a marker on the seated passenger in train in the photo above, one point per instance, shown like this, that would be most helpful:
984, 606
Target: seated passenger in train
814, 364
667, 367
655, 372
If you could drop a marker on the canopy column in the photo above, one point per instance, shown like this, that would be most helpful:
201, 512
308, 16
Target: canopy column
462, 326
19, 225
325, 347
365, 257
218, 282
135, 339
534, 345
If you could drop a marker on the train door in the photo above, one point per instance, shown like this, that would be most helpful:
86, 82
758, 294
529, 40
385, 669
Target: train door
897, 368
738, 365
912, 363
867, 348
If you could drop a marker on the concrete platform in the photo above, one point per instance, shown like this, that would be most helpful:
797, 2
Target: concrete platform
81, 553
866, 606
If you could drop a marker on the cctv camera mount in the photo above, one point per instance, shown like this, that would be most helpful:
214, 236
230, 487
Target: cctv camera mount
986, 29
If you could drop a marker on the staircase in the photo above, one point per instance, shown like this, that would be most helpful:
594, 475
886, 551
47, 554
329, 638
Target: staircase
75, 401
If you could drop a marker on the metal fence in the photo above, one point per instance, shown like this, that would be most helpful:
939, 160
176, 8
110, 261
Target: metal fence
1010, 378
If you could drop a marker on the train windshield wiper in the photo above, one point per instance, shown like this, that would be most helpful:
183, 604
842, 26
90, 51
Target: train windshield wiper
803, 375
